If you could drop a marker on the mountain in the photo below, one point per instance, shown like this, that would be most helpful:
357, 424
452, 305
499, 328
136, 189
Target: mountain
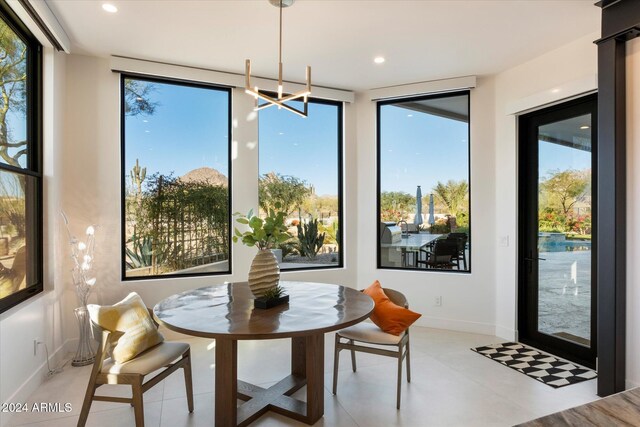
207, 175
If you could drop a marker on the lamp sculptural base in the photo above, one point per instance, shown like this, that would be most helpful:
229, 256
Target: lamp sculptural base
85, 354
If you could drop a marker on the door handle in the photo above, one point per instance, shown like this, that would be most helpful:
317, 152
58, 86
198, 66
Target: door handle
535, 259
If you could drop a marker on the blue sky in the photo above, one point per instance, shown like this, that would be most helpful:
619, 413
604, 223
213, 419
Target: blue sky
306, 148
420, 149
188, 130
17, 125
559, 157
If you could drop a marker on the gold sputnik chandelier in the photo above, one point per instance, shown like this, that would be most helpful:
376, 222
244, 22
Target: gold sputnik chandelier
281, 98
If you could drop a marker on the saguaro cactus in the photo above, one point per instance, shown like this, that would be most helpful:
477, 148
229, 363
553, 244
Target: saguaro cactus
138, 175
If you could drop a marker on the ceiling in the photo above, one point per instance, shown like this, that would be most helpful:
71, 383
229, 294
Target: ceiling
574, 132
421, 40
451, 107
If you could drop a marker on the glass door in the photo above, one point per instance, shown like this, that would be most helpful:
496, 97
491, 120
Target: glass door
557, 301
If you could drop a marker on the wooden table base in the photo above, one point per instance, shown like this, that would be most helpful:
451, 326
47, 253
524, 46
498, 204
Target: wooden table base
307, 368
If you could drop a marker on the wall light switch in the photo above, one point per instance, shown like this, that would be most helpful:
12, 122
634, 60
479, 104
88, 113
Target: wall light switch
503, 241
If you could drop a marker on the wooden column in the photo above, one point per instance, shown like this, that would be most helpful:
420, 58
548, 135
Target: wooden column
620, 23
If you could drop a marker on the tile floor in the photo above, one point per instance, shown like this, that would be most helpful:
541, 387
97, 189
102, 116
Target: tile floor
451, 386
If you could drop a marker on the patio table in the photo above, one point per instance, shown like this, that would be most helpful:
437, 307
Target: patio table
412, 243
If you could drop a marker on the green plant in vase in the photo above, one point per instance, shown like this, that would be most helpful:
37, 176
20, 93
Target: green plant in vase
266, 234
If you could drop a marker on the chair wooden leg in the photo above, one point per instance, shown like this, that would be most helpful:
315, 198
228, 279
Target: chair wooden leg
353, 357
399, 376
336, 362
188, 382
408, 356
138, 408
86, 405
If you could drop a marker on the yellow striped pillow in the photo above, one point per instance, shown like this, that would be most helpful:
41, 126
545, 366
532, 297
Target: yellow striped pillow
132, 329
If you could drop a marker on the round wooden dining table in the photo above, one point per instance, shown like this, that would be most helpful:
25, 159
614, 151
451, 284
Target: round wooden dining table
226, 313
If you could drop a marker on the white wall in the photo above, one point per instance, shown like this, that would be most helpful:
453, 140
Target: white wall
633, 213
21, 372
468, 300
556, 75
91, 179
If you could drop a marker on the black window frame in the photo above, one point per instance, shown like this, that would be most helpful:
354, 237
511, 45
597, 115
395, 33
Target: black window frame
379, 105
123, 239
340, 141
34, 154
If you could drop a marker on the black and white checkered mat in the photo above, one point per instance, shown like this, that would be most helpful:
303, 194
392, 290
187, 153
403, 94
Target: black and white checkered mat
543, 367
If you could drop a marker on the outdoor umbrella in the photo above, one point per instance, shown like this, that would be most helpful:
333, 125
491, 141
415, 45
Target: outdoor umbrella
417, 220
431, 219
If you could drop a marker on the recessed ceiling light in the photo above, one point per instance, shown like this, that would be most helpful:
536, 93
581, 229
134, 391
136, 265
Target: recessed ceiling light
409, 115
556, 90
584, 127
378, 59
108, 7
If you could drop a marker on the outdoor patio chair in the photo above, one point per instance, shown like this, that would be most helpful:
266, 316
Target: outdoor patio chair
462, 239
443, 254
369, 335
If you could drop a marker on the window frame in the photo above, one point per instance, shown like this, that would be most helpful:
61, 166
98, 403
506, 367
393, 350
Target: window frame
33, 167
422, 97
123, 239
340, 158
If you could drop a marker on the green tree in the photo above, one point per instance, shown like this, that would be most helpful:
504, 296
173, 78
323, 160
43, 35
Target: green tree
563, 189
13, 77
289, 191
137, 98
12, 202
453, 195
320, 206
394, 205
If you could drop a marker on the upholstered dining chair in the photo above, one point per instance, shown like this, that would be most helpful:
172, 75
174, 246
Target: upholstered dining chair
168, 355
370, 338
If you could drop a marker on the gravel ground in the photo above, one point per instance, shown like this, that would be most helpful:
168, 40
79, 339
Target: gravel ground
320, 259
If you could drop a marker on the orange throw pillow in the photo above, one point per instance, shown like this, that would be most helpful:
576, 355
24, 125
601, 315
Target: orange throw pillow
389, 317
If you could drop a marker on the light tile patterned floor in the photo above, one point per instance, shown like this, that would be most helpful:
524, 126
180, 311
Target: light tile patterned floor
451, 386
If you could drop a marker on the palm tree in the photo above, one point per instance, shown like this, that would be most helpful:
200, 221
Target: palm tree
452, 194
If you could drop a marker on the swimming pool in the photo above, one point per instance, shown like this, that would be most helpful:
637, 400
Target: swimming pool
563, 245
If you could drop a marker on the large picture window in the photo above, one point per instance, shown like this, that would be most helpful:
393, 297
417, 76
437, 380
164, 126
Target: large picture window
20, 162
301, 170
423, 183
175, 176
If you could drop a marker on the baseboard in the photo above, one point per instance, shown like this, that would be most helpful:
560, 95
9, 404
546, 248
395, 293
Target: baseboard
629, 384
506, 333
38, 377
457, 325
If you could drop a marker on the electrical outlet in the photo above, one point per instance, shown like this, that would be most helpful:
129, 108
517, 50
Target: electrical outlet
438, 301
36, 341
